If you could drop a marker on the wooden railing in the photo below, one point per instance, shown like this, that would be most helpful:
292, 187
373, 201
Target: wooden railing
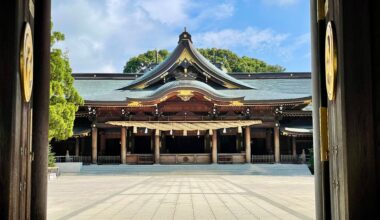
270, 159
262, 158
109, 160
140, 159
65, 159
201, 158
231, 158
289, 159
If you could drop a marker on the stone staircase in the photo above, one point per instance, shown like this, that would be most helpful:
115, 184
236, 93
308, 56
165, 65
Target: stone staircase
212, 169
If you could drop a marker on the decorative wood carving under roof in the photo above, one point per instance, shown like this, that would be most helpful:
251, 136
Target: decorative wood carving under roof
186, 63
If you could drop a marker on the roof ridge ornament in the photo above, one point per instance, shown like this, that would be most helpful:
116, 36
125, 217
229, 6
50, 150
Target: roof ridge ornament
184, 36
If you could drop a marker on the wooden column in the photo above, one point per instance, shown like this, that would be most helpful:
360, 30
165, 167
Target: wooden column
94, 137
294, 146
157, 148
214, 146
77, 146
247, 144
123, 146
41, 80
277, 144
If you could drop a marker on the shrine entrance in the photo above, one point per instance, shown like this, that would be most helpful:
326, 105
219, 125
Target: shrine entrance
184, 144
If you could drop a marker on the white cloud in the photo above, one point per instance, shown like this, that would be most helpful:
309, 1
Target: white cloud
280, 2
104, 34
259, 43
170, 12
252, 38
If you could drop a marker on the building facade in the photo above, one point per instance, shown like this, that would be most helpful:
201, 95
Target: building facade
186, 110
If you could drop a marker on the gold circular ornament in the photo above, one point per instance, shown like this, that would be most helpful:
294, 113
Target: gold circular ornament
26, 62
331, 61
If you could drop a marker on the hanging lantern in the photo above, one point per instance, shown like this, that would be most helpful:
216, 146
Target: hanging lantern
134, 129
198, 133
239, 130
171, 132
224, 130
184, 132
146, 130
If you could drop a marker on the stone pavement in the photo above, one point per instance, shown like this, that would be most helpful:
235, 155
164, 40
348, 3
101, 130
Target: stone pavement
180, 195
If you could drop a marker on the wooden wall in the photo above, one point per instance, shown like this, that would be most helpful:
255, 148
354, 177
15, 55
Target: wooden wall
14, 115
375, 49
352, 115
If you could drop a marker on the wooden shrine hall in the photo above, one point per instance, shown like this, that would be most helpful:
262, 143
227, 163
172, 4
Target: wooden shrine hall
186, 89
186, 110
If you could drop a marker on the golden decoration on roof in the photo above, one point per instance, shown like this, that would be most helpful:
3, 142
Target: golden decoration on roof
236, 103
185, 55
134, 104
185, 95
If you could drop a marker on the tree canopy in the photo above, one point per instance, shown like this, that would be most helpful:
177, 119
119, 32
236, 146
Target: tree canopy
141, 61
230, 60
64, 99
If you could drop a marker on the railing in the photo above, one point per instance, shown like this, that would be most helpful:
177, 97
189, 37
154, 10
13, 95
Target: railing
289, 159
283, 159
262, 158
109, 160
65, 159
201, 158
231, 158
139, 159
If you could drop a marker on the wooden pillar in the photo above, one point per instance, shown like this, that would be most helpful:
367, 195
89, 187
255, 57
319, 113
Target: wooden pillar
123, 150
41, 109
247, 144
157, 147
214, 146
77, 146
277, 144
94, 145
294, 146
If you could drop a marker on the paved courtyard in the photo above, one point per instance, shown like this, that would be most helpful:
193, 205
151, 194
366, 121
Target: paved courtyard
180, 195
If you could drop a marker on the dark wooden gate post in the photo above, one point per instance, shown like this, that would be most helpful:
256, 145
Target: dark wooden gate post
41, 109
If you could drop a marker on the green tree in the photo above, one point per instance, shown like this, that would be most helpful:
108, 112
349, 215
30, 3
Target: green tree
231, 61
136, 63
64, 99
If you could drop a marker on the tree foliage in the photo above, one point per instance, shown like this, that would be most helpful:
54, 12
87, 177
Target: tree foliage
143, 60
64, 99
231, 61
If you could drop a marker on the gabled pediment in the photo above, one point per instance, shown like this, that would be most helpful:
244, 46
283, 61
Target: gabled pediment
186, 90
186, 63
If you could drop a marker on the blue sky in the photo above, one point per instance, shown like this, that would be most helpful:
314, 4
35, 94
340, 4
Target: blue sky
101, 35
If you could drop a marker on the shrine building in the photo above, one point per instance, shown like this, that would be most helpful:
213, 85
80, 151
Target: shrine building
188, 110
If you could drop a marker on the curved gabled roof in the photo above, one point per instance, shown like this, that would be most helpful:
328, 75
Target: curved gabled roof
193, 85
186, 52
